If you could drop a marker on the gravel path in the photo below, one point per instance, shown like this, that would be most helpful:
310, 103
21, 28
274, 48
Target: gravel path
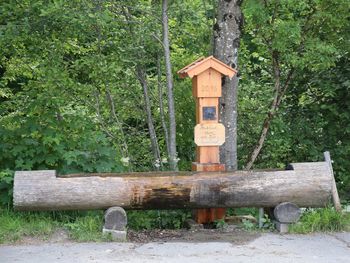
269, 248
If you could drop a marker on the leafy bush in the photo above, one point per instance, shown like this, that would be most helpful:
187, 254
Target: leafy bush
6, 188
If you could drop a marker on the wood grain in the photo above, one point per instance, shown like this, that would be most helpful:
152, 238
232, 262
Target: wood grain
212, 134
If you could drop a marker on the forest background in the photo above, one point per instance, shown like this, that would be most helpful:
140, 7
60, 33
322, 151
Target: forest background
83, 82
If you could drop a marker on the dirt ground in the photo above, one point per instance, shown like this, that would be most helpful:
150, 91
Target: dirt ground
231, 234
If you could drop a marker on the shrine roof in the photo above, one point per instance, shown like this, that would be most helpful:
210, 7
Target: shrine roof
202, 64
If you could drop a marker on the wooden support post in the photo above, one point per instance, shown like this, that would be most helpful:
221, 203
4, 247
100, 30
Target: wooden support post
335, 196
209, 134
208, 215
207, 157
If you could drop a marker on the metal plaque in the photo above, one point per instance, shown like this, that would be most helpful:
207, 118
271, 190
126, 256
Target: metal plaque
209, 113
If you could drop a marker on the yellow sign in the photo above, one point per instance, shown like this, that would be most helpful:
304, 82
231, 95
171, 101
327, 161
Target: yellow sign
212, 134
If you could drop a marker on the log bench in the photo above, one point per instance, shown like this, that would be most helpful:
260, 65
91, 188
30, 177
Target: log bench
304, 184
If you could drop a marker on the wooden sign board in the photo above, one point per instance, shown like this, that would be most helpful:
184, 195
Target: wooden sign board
207, 84
212, 134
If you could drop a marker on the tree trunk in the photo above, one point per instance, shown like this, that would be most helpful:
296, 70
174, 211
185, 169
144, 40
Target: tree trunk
161, 106
141, 75
227, 31
169, 77
307, 185
152, 133
110, 100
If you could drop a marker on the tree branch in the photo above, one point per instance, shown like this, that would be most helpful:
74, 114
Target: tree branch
279, 94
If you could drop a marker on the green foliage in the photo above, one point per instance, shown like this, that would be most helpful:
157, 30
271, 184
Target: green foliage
321, 220
87, 228
162, 219
6, 187
70, 99
309, 40
220, 224
47, 144
14, 226
249, 225
68, 86
49, 122
267, 223
80, 226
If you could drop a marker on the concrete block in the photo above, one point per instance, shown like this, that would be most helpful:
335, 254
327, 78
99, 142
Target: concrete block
117, 235
282, 227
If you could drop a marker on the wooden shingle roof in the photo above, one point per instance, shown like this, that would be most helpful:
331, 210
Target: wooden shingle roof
202, 64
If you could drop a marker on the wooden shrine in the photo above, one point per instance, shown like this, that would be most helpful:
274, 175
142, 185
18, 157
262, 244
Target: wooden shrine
209, 134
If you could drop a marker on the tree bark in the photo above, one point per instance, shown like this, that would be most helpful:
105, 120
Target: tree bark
307, 185
169, 77
227, 31
153, 136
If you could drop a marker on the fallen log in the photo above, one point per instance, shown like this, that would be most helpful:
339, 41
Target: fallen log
305, 184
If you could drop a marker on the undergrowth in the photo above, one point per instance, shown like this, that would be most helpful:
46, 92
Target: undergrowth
14, 226
81, 226
321, 220
162, 219
87, 226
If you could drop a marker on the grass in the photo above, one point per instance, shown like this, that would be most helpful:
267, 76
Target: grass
312, 220
86, 226
81, 226
321, 220
13, 226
